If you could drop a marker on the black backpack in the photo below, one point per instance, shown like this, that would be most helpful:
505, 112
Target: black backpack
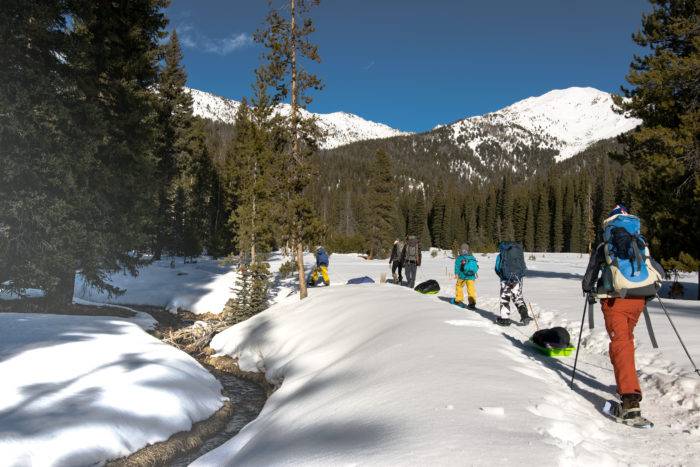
512, 261
554, 338
429, 287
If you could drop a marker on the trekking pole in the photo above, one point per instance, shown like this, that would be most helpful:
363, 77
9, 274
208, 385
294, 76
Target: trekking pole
537, 325
678, 335
578, 345
591, 325
650, 330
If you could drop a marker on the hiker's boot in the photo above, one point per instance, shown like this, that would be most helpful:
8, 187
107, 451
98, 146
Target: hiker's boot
472, 306
630, 407
503, 321
524, 317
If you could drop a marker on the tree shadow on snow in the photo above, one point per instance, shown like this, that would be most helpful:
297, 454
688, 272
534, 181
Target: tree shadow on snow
315, 443
486, 314
583, 380
553, 274
24, 332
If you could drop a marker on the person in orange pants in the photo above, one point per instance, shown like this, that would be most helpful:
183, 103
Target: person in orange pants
621, 316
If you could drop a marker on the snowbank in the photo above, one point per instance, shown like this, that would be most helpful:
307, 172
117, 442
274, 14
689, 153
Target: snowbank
201, 287
377, 374
78, 390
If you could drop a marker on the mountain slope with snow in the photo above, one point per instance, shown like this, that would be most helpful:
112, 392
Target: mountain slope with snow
340, 128
566, 120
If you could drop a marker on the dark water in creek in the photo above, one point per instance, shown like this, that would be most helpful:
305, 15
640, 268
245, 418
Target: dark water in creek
248, 399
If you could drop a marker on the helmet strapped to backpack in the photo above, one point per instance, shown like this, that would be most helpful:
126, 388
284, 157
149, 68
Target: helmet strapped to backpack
627, 258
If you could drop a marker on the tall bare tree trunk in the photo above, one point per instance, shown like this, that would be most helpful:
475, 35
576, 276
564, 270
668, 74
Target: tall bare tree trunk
303, 293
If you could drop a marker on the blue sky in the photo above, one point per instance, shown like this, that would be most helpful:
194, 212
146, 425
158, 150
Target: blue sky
413, 64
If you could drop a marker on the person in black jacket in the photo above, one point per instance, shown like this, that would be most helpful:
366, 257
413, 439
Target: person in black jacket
396, 262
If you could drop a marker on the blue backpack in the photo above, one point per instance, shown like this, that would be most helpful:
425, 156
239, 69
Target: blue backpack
628, 263
510, 264
468, 266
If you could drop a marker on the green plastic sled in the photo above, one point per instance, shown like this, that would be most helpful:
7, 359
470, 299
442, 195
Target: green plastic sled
552, 352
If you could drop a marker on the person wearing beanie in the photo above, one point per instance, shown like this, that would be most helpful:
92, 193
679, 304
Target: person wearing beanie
396, 262
466, 272
321, 268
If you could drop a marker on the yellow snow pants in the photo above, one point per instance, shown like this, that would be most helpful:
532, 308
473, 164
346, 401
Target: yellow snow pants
323, 270
471, 291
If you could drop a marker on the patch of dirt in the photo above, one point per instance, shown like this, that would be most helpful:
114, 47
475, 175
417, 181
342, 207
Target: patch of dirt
226, 364
38, 305
180, 443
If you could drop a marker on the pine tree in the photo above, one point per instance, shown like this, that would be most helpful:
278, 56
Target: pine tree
587, 225
419, 224
252, 173
543, 226
77, 140
490, 216
382, 207
558, 221
519, 215
666, 148
437, 218
570, 215
287, 45
507, 210
530, 228
251, 293
575, 236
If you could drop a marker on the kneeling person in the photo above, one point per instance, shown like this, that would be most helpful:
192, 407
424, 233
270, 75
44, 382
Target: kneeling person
321, 268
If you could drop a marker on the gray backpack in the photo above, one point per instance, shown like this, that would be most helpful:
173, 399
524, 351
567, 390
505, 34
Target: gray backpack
412, 250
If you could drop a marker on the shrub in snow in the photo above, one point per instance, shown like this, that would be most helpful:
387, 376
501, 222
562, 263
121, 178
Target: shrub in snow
251, 293
287, 269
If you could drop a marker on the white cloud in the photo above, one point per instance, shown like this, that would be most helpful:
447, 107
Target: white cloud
228, 44
192, 39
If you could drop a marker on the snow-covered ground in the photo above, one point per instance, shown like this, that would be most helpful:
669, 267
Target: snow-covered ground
79, 390
378, 374
201, 287
371, 374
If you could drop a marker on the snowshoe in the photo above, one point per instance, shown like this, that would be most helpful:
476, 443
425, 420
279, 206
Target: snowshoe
503, 321
630, 417
472, 306
524, 321
456, 303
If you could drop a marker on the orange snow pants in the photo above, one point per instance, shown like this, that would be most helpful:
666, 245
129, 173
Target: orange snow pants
621, 315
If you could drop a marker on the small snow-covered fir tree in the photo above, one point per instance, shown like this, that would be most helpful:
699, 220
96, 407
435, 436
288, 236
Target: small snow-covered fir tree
251, 293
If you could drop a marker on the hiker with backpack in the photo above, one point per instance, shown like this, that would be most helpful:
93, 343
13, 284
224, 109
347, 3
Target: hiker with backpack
630, 277
510, 268
321, 268
411, 259
395, 261
466, 269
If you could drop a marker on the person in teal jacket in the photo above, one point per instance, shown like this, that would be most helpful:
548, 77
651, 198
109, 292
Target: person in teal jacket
466, 272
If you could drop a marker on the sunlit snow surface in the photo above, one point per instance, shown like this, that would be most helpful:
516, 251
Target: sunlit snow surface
78, 390
380, 375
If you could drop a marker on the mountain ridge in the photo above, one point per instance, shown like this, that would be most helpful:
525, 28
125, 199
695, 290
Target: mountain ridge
566, 121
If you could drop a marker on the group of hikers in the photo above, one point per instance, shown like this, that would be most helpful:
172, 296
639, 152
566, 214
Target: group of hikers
621, 274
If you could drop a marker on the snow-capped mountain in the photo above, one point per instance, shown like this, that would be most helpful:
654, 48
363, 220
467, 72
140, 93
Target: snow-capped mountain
340, 128
565, 120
